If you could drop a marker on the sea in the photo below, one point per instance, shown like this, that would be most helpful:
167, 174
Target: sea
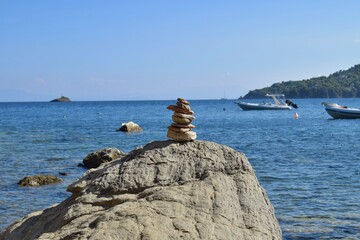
309, 166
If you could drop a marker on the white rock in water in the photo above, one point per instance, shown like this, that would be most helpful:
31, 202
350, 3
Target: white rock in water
130, 127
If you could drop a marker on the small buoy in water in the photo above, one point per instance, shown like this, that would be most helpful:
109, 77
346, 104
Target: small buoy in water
296, 116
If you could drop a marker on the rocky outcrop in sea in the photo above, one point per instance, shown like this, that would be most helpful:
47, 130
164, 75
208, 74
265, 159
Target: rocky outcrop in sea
38, 180
164, 190
61, 99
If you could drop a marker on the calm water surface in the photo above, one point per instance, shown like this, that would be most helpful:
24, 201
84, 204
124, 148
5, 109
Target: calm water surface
309, 167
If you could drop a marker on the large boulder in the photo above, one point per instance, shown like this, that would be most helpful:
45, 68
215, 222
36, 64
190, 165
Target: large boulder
165, 190
93, 160
38, 180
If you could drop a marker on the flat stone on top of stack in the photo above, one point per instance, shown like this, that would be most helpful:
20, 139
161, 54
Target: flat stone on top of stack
180, 129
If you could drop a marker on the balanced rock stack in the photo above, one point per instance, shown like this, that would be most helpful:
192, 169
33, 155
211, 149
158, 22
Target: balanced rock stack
180, 129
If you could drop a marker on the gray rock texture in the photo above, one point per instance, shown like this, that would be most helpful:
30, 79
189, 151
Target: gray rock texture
94, 159
165, 190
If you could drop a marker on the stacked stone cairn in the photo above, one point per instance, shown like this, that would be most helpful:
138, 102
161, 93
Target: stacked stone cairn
180, 129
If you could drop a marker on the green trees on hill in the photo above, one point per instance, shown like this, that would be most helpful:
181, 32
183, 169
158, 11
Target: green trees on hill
341, 84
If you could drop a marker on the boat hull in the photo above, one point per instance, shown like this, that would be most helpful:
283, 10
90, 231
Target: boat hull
255, 106
343, 113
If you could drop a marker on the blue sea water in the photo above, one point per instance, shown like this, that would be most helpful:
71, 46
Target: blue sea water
309, 167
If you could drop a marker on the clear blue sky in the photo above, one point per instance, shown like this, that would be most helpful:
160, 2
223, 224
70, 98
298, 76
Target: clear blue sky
164, 49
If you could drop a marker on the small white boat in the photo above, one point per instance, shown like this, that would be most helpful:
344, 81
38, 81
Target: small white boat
278, 104
341, 112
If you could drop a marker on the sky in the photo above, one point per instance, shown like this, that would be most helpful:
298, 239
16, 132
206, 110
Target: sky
164, 49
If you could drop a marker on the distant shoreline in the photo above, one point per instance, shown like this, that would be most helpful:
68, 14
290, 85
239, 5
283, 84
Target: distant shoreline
164, 100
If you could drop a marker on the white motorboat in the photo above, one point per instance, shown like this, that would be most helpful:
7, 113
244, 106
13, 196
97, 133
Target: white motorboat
278, 103
341, 112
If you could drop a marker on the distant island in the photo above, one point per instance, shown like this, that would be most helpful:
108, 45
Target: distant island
61, 99
341, 84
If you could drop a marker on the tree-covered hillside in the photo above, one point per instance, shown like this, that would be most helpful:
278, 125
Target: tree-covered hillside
342, 84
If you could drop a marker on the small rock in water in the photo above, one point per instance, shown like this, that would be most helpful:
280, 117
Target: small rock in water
93, 160
130, 127
38, 180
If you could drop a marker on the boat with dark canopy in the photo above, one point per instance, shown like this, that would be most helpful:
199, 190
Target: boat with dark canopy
341, 112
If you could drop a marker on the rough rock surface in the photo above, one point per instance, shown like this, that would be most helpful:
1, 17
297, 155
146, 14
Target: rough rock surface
130, 127
93, 160
165, 190
38, 180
